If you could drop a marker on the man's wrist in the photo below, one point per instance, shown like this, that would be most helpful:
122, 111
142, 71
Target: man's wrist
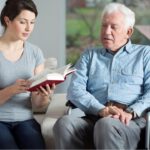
103, 112
132, 112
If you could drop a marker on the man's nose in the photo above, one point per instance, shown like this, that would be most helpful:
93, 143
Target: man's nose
108, 30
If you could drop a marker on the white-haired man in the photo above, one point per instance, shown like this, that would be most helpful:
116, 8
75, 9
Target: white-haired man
112, 86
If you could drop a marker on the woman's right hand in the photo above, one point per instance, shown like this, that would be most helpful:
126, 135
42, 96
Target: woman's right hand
20, 86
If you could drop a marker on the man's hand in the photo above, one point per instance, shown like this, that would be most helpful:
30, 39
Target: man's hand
124, 117
116, 112
109, 111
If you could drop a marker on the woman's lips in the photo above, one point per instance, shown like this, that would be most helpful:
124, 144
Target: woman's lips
25, 34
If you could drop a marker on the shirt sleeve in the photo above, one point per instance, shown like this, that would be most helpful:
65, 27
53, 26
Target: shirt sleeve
144, 100
77, 91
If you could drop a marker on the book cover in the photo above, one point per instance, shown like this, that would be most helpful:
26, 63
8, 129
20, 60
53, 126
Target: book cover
50, 76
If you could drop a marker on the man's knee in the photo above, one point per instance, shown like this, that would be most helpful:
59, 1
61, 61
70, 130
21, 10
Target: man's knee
62, 124
63, 131
105, 125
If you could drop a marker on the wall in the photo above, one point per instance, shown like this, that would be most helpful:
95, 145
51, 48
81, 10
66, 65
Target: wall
49, 32
1, 6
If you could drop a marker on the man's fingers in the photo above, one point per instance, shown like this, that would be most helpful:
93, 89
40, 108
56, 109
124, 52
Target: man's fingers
115, 116
113, 110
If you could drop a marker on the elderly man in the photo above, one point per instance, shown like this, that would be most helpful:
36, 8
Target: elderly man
112, 86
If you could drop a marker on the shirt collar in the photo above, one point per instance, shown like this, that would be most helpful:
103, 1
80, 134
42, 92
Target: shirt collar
128, 47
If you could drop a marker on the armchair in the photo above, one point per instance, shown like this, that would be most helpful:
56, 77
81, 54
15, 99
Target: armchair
147, 141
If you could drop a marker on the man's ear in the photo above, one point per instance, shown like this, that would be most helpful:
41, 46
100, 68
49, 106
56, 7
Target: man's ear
6, 19
129, 32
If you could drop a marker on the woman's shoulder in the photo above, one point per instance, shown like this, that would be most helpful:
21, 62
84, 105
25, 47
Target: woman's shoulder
31, 46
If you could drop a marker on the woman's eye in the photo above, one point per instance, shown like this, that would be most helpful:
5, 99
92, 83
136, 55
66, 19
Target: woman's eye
33, 22
22, 22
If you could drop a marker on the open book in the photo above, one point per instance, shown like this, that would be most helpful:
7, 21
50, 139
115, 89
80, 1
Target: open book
50, 76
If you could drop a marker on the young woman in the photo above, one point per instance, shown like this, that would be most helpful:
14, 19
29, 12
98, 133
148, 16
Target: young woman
19, 60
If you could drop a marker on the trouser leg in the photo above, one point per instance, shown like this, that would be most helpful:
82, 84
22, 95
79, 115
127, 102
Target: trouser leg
28, 135
73, 133
110, 133
7, 140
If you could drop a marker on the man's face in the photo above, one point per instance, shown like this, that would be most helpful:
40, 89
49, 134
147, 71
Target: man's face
114, 33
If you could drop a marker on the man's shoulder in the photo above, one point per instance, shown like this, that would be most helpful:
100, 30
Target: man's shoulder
138, 48
141, 47
143, 50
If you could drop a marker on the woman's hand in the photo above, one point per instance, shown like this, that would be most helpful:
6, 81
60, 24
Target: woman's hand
47, 91
20, 86
42, 96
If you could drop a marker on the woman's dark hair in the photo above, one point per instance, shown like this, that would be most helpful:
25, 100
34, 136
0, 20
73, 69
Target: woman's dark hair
13, 8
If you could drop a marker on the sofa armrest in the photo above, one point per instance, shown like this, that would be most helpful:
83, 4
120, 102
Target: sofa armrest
57, 106
56, 109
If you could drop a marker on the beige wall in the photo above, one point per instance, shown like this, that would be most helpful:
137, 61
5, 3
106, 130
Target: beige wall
49, 32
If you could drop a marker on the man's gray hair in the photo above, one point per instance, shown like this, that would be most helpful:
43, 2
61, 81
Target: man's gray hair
115, 7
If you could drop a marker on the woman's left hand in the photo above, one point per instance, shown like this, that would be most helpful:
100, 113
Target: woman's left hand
46, 92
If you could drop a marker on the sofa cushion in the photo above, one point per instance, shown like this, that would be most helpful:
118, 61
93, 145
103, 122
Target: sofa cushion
55, 110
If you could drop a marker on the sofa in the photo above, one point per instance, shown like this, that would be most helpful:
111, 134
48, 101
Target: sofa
47, 120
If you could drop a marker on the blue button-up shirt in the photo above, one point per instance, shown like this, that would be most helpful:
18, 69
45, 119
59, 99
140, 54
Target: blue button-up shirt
102, 76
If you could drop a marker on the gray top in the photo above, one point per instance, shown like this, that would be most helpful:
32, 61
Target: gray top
18, 107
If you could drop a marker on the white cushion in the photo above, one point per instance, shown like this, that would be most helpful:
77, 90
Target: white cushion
55, 110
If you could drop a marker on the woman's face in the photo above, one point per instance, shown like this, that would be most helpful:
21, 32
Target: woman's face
21, 27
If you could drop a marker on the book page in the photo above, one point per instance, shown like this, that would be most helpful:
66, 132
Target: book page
50, 77
66, 70
42, 74
63, 69
54, 76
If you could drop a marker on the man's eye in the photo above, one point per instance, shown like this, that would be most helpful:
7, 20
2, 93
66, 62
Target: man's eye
115, 27
104, 26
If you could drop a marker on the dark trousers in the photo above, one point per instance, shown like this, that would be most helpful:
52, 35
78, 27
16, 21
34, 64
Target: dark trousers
21, 135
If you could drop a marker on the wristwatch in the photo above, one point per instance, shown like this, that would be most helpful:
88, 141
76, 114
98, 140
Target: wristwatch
131, 111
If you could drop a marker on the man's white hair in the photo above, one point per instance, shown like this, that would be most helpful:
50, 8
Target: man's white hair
115, 7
